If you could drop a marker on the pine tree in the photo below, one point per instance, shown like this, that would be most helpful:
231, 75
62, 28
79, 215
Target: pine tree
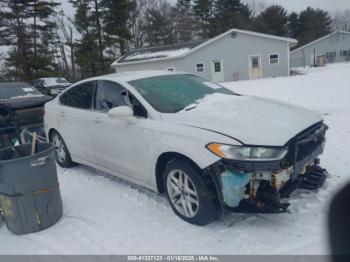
205, 13
43, 30
293, 25
159, 25
26, 26
116, 18
88, 54
231, 14
186, 26
272, 21
314, 23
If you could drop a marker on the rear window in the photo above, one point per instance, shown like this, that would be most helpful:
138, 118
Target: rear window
79, 96
55, 81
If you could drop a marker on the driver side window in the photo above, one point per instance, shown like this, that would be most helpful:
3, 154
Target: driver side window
108, 96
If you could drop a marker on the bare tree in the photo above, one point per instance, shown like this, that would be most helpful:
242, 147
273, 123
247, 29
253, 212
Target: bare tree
136, 23
256, 6
341, 21
66, 29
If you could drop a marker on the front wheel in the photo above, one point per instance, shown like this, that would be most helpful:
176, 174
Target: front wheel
63, 157
190, 194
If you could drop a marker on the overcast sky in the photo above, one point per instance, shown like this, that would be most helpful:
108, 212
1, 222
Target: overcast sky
291, 5
298, 5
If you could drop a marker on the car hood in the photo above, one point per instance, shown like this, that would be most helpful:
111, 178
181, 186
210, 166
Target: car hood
250, 120
26, 102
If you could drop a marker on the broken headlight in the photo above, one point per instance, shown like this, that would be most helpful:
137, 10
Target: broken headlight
248, 153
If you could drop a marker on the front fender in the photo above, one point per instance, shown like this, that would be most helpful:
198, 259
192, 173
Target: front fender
187, 141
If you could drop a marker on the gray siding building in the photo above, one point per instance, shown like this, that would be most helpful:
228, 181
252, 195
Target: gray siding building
232, 56
333, 48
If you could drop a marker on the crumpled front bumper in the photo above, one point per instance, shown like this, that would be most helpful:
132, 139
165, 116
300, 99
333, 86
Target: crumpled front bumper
263, 185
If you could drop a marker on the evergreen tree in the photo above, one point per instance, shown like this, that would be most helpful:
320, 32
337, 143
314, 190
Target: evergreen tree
88, 54
272, 21
26, 26
231, 14
186, 26
159, 25
116, 22
293, 25
41, 11
205, 13
314, 23
44, 42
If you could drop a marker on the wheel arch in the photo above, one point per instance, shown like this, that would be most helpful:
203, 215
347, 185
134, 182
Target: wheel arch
163, 160
49, 134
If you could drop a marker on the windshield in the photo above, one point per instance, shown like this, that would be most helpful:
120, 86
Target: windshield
55, 81
173, 93
10, 92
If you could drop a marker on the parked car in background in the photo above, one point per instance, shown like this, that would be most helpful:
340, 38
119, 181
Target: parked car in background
27, 105
205, 146
52, 85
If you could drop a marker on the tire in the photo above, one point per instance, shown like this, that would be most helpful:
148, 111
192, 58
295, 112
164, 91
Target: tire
197, 194
62, 154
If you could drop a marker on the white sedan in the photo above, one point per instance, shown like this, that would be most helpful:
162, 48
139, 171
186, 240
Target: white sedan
206, 147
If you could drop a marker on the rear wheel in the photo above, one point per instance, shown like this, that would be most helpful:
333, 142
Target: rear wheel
62, 154
190, 194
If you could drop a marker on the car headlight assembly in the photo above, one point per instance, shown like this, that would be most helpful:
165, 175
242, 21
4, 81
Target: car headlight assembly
247, 153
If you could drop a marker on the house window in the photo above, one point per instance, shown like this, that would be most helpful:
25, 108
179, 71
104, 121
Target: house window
217, 67
200, 68
274, 59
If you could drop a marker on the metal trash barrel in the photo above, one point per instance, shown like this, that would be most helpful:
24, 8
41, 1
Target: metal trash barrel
30, 198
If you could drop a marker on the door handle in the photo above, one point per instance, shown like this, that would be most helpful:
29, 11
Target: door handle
63, 114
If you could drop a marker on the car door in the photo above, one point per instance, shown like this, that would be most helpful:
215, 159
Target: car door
120, 144
75, 120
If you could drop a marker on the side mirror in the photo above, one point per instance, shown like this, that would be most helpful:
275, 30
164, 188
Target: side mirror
121, 112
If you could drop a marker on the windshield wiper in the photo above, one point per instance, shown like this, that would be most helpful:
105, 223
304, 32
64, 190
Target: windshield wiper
191, 107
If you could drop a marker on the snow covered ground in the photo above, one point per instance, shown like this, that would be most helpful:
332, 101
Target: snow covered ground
104, 215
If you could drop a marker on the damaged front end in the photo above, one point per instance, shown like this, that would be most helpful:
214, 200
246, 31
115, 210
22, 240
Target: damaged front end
261, 186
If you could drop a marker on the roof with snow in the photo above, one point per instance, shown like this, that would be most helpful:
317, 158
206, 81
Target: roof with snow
319, 40
181, 50
158, 52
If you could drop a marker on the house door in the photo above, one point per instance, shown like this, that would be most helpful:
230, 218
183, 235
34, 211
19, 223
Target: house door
255, 67
217, 71
312, 60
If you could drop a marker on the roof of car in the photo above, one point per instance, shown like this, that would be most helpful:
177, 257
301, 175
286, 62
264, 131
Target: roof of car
14, 84
135, 75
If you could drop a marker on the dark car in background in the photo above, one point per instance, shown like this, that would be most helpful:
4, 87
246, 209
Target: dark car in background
23, 104
52, 85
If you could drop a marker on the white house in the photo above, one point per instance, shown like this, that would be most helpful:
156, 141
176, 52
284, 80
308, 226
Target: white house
332, 48
231, 56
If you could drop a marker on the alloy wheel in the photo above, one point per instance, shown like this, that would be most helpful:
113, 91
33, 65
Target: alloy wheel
59, 148
182, 193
